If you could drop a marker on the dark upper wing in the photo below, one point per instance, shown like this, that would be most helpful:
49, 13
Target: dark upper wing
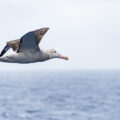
27, 42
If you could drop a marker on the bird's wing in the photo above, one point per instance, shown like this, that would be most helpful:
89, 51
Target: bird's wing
30, 41
27, 42
39, 34
14, 44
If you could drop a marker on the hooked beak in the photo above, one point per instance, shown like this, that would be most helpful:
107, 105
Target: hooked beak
63, 57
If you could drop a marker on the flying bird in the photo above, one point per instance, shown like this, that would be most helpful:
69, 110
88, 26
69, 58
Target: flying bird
27, 50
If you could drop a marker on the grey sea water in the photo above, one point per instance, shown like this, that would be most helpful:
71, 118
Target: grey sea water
66, 95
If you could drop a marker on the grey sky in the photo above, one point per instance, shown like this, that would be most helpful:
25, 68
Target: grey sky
88, 31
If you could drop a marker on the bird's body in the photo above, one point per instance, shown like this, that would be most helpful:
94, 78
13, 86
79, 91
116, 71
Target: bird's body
27, 49
26, 57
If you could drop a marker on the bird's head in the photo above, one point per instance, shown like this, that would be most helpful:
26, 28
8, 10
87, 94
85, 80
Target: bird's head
54, 54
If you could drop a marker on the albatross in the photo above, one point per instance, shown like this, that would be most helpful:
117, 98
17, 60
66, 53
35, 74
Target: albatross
27, 50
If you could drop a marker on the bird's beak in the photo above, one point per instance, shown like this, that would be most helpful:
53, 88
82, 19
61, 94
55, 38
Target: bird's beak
63, 57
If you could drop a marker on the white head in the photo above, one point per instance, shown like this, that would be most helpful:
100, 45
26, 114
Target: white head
53, 54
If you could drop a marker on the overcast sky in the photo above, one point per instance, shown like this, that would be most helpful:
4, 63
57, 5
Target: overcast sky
88, 31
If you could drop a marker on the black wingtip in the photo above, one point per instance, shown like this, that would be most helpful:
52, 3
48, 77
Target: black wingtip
2, 53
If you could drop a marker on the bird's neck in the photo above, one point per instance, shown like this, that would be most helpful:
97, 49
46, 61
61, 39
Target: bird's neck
45, 54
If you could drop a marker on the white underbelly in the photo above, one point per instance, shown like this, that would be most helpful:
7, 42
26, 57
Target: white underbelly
23, 57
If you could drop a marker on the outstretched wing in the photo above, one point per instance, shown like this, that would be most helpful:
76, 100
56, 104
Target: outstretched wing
14, 44
39, 34
29, 41
11, 44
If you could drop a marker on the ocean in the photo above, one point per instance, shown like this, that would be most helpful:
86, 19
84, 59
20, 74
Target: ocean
60, 95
